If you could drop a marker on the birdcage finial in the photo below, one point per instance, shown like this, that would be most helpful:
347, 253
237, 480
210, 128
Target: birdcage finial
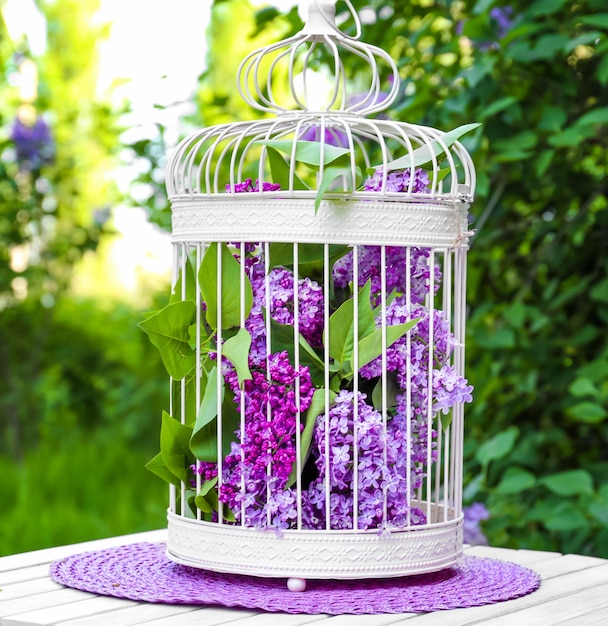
264, 73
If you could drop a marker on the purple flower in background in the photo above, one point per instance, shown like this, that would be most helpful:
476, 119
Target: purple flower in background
34, 144
473, 515
502, 17
248, 186
332, 136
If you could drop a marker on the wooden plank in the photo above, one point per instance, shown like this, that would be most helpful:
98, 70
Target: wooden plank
130, 616
28, 588
270, 619
597, 618
522, 557
27, 559
570, 607
23, 574
41, 601
366, 620
551, 589
61, 613
207, 616
566, 564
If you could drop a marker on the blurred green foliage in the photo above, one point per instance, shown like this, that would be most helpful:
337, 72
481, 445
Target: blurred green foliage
80, 389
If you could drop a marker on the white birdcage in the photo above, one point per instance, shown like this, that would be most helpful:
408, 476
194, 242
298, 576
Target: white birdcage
295, 450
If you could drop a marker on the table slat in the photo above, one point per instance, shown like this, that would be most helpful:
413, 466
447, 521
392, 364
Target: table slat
560, 586
57, 614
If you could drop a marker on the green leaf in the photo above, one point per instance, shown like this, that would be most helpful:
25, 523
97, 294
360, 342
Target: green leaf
498, 446
566, 518
317, 406
308, 152
515, 480
569, 483
332, 173
602, 70
583, 387
425, 153
174, 449
157, 466
236, 349
282, 338
392, 389
203, 442
230, 287
308, 254
599, 20
583, 40
545, 7
497, 106
588, 412
599, 292
370, 347
281, 172
595, 116
341, 325
168, 331
206, 499
524, 140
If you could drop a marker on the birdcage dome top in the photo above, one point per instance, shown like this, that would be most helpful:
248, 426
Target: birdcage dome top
318, 152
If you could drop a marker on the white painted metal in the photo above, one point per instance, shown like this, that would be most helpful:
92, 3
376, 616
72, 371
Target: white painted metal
204, 176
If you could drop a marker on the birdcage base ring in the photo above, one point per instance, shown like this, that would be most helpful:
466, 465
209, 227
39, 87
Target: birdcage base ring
315, 554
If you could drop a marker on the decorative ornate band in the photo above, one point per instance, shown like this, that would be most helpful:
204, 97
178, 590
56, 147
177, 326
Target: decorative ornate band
314, 554
205, 219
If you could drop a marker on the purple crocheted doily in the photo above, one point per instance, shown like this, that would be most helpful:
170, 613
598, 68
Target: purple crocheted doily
143, 572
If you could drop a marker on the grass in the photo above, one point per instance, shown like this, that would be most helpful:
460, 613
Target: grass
86, 487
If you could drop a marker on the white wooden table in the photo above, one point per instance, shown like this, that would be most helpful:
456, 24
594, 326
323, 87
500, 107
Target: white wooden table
574, 591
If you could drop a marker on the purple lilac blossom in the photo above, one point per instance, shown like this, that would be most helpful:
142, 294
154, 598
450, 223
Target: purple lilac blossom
370, 266
272, 400
248, 186
399, 181
412, 366
502, 17
34, 144
382, 485
281, 296
332, 136
473, 515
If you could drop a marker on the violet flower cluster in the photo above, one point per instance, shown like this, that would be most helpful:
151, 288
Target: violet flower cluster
256, 472
400, 181
276, 292
248, 186
362, 466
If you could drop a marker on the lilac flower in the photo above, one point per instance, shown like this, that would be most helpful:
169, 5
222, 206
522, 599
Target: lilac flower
381, 490
255, 496
281, 288
473, 515
248, 186
502, 17
400, 181
332, 136
370, 268
34, 144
